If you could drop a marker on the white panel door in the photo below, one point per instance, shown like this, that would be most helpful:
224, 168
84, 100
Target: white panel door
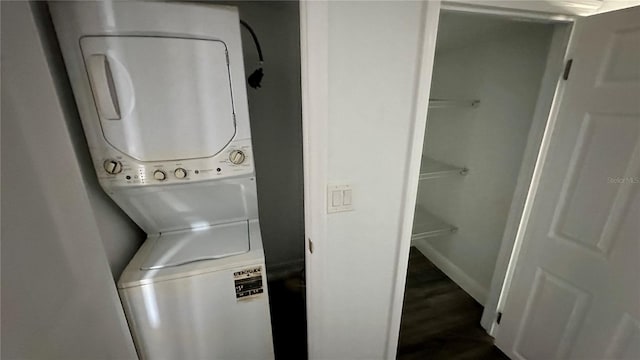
575, 292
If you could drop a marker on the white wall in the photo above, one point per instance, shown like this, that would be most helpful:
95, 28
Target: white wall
121, 237
276, 129
612, 5
501, 63
59, 299
369, 65
556, 7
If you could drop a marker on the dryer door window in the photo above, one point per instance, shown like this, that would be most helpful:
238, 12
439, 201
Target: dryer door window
161, 98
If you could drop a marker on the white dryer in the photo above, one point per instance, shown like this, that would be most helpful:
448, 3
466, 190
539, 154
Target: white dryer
160, 89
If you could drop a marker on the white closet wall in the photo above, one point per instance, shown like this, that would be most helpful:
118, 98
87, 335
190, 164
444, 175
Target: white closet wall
367, 55
121, 237
500, 63
59, 300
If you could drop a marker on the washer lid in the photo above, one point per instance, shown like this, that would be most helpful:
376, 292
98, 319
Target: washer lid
182, 247
161, 98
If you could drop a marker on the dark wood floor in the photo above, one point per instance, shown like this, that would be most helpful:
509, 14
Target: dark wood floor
439, 319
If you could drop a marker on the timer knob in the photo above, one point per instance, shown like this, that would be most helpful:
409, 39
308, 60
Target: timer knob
159, 175
112, 166
180, 173
237, 157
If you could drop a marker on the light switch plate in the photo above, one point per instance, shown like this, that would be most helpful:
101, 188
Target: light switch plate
339, 198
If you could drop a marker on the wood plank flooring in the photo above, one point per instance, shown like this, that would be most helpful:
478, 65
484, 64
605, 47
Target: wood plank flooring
439, 319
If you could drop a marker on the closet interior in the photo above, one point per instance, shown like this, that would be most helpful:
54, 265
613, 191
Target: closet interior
487, 112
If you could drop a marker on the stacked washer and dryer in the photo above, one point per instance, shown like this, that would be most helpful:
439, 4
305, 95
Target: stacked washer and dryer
161, 94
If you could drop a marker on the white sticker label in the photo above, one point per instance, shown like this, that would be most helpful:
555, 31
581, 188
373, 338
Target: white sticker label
248, 283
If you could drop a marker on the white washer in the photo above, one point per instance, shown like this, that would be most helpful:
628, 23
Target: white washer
160, 89
212, 309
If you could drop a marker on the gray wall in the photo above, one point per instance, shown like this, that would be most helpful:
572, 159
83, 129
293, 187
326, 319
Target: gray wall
276, 128
59, 299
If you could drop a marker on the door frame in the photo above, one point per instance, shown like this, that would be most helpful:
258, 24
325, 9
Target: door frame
315, 123
314, 89
420, 110
549, 96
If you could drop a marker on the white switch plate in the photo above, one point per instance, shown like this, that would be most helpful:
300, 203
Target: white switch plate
336, 196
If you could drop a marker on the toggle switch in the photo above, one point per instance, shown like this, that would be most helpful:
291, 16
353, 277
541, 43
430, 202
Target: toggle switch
346, 197
336, 198
339, 198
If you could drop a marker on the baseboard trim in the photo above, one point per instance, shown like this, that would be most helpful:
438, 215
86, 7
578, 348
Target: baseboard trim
456, 274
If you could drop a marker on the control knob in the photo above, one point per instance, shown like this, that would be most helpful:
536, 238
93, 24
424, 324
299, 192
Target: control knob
159, 175
180, 173
112, 166
237, 157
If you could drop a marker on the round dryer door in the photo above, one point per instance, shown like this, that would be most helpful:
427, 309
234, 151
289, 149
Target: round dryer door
161, 98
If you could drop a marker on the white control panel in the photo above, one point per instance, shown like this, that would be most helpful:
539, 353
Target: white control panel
120, 170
